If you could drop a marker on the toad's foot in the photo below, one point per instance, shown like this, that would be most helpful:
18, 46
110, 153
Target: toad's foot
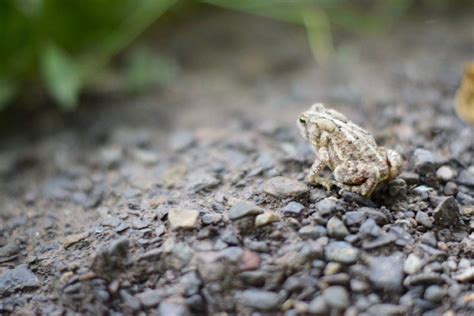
326, 183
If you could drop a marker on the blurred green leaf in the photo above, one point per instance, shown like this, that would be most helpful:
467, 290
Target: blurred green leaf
62, 76
145, 68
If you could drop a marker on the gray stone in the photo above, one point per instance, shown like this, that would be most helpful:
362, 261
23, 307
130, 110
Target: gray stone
435, 293
293, 209
379, 217
386, 310
313, 232
447, 212
200, 181
242, 209
423, 219
369, 229
382, 240
466, 177
429, 238
150, 298
336, 228
403, 237
173, 309
354, 218
341, 251
336, 297
282, 187
413, 264
318, 306
327, 206
424, 161
260, 299
9, 252
17, 279
386, 273
183, 219
445, 173
129, 300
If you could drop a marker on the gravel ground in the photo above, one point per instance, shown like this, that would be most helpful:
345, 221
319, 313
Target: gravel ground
191, 200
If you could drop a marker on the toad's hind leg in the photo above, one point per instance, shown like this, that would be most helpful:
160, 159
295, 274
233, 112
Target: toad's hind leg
358, 177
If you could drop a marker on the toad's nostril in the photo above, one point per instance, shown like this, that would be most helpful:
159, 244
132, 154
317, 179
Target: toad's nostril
302, 120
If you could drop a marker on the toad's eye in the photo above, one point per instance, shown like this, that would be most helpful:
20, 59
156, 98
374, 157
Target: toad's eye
302, 120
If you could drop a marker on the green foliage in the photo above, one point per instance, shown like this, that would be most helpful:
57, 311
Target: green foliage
63, 44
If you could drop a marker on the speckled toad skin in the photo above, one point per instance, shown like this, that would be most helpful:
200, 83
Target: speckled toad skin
358, 164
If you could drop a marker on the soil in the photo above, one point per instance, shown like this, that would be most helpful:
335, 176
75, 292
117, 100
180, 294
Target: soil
191, 199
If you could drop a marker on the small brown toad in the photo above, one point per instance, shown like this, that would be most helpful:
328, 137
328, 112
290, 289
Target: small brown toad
358, 164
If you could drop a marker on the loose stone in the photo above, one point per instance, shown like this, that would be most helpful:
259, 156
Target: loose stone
260, 299
282, 187
336, 228
341, 251
336, 297
386, 273
447, 212
183, 219
242, 209
18, 278
293, 209
413, 264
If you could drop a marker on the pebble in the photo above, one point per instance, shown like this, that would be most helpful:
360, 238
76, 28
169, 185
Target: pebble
386, 273
313, 232
375, 214
18, 278
200, 181
266, 218
403, 237
150, 298
423, 219
429, 239
172, 309
435, 293
282, 187
336, 297
242, 209
318, 306
354, 218
466, 177
293, 209
336, 228
466, 276
342, 252
369, 229
424, 278
413, 264
445, 173
424, 161
327, 206
183, 219
9, 252
260, 299
129, 300
450, 188
447, 212
386, 309
381, 240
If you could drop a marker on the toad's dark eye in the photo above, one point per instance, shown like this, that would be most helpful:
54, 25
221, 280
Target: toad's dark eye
302, 120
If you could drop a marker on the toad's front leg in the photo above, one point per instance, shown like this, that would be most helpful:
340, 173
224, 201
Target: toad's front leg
314, 172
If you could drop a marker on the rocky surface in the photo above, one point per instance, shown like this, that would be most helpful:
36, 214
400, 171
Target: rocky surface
202, 208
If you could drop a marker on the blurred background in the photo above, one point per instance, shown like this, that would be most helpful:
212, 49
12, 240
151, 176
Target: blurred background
56, 53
